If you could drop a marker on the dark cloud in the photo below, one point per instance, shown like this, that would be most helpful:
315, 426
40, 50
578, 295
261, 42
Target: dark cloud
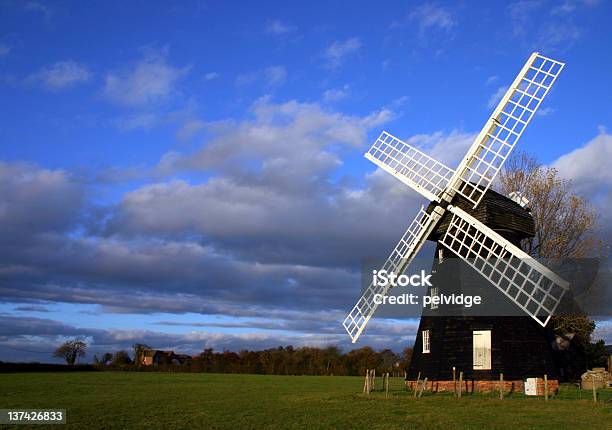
272, 237
36, 200
31, 308
34, 339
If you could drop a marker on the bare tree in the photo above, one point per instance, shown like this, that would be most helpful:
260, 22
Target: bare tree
71, 350
564, 224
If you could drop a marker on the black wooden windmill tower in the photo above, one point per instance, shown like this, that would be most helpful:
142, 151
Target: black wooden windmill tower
477, 232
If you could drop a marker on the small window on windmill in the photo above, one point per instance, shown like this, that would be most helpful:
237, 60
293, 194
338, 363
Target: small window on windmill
425, 335
433, 292
482, 349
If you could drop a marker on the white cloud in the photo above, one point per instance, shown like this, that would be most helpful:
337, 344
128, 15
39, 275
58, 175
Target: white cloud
567, 7
189, 129
521, 12
545, 111
496, 96
339, 51
400, 101
555, 32
63, 74
275, 75
151, 80
336, 94
246, 78
491, 79
447, 148
557, 36
279, 28
210, 76
378, 118
142, 120
589, 170
272, 196
274, 228
279, 131
589, 166
432, 17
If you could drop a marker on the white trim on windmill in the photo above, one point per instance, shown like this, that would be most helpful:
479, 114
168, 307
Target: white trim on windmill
529, 284
518, 197
434, 292
539, 291
425, 334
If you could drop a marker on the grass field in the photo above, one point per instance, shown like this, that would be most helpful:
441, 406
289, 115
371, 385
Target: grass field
185, 401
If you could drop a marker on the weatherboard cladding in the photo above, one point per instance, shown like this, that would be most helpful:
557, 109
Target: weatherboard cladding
520, 348
495, 211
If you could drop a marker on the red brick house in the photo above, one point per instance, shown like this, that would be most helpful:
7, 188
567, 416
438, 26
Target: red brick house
154, 357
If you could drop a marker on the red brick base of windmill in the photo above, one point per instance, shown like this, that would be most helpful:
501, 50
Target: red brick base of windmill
474, 386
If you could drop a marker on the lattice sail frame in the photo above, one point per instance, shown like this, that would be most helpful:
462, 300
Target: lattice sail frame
526, 282
472, 178
416, 169
400, 258
499, 136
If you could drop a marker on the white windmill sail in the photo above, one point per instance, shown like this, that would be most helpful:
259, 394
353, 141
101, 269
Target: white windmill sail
397, 262
414, 168
503, 130
472, 179
526, 282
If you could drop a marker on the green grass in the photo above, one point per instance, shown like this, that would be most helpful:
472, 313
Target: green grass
186, 401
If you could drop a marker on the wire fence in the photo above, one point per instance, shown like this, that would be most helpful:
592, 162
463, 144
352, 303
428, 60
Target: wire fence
395, 386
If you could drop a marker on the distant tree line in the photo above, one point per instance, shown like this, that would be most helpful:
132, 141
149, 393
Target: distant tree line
303, 361
275, 361
286, 360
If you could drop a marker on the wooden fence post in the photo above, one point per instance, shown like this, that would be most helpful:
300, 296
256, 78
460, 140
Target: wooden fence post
416, 386
387, 386
460, 383
594, 389
365, 382
454, 383
373, 379
501, 386
423, 387
546, 388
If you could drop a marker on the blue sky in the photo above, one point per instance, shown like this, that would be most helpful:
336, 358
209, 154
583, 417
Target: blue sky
191, 174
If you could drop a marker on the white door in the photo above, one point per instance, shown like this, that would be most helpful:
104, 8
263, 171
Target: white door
531, 386
482, 349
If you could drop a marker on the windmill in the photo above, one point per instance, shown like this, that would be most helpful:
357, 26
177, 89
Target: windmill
528, 284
